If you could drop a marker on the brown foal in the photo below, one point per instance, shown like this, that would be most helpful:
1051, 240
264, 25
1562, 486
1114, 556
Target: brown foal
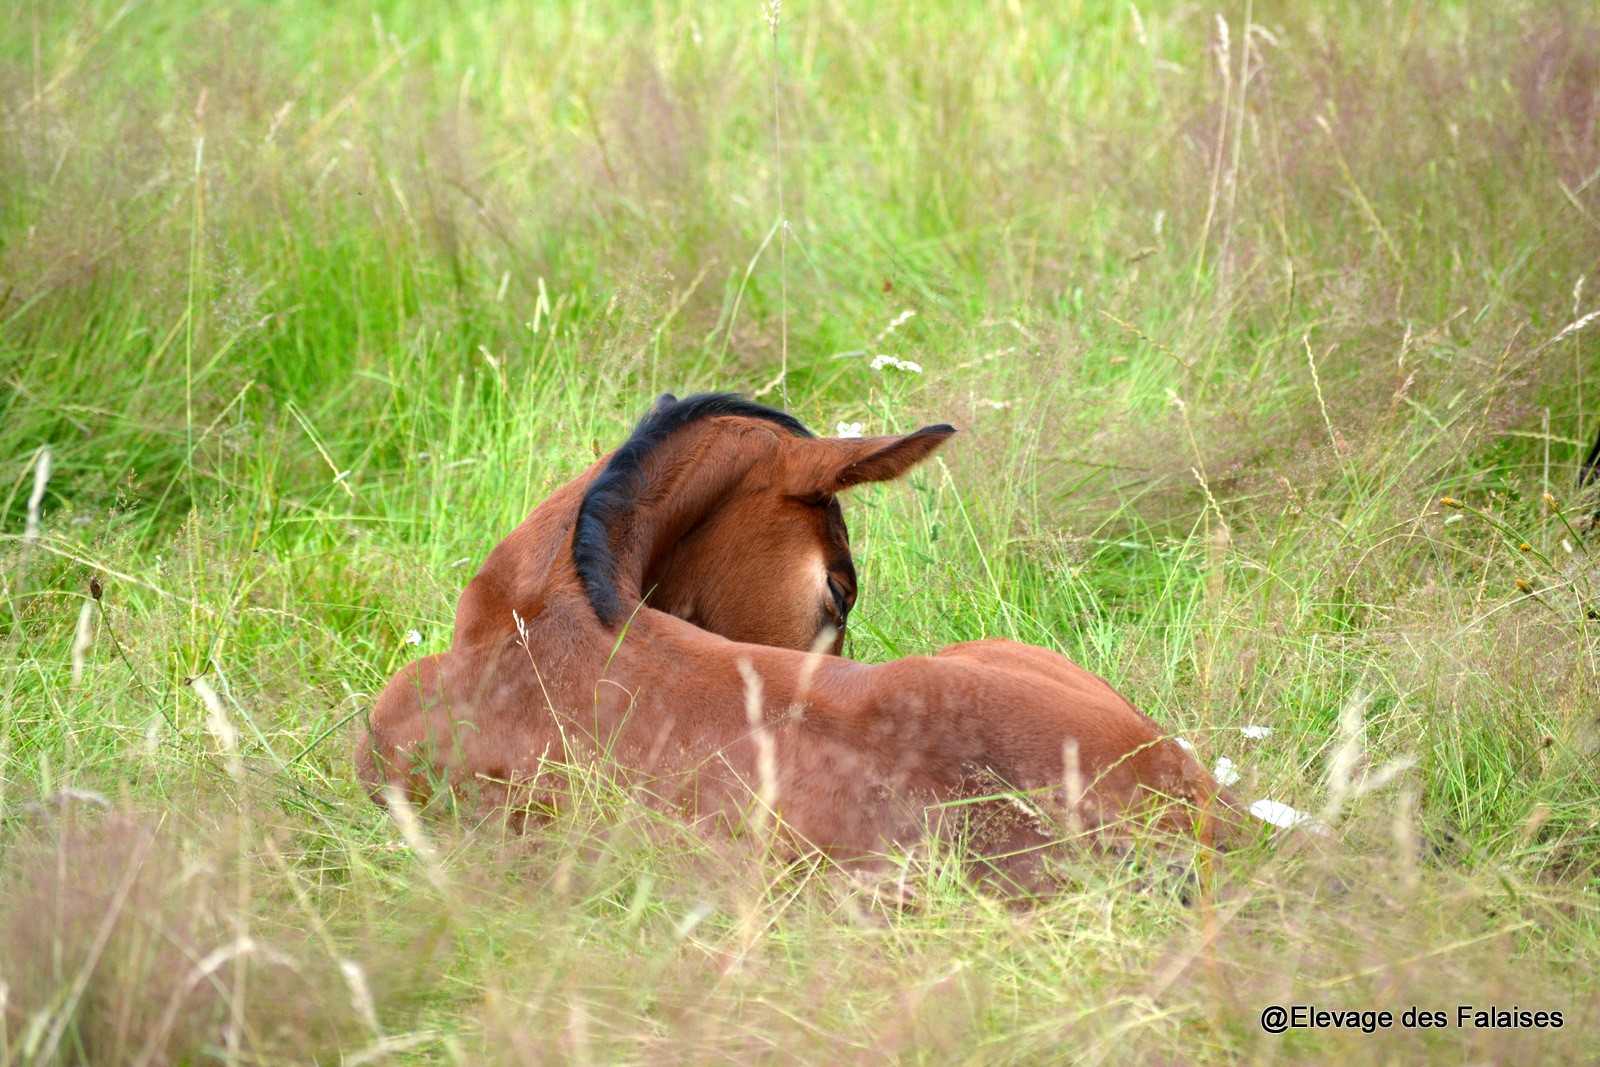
1010, 746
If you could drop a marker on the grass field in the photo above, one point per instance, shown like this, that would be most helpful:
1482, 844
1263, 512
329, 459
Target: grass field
309, 304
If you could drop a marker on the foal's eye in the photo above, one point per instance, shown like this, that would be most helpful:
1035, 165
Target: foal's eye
842, 601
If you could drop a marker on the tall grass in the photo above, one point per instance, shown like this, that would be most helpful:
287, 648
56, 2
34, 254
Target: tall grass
308, 306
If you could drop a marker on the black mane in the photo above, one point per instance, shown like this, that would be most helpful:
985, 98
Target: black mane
611, 495
1590, 471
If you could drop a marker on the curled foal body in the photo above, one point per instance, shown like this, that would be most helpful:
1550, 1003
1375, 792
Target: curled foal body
1007, 742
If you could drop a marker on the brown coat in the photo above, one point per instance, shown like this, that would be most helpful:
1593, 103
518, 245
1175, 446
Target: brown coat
1010, 744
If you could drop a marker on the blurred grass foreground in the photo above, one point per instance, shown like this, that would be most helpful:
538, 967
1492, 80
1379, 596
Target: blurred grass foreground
303, 306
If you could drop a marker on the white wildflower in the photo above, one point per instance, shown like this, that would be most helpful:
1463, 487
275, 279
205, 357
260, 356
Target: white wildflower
1185, 745
1256, 733
1278, 813
413, 637
848, 429
1225, 772
881, 361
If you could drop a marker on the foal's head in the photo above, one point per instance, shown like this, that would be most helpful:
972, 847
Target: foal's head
726, 514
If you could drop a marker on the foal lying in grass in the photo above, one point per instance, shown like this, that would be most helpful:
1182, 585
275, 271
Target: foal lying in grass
561, 659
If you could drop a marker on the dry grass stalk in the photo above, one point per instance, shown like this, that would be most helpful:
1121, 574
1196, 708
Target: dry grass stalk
82, 641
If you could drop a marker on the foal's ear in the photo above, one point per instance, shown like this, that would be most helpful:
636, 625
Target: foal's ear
663, 402
857, 461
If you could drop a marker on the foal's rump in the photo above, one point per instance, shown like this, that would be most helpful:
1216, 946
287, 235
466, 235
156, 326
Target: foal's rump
1063, 722
1084, 692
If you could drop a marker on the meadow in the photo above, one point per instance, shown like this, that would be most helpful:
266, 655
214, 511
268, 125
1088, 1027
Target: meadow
1269, 330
